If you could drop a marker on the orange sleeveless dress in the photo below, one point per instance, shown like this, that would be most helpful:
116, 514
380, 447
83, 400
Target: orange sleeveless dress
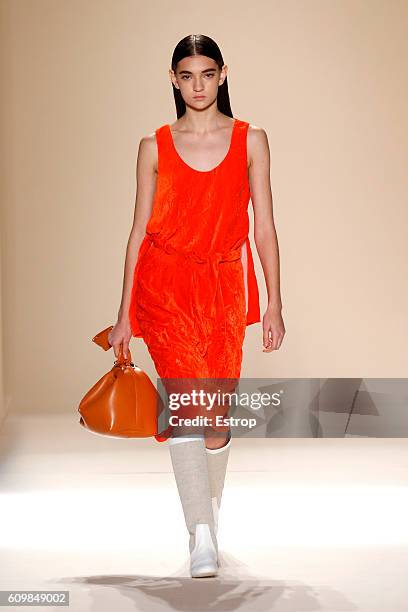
194, 286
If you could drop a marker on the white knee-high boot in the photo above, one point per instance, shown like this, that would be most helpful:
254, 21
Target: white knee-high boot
217, 468
190, 466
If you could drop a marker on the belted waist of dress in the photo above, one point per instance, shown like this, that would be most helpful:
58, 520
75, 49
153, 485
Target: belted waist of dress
208, 292
214, 257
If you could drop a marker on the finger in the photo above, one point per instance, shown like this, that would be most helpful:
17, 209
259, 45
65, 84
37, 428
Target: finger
125, 349
266, 338
275, 338
280, 339
270, 345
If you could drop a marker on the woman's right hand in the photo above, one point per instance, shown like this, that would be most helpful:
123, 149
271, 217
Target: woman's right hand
120, 334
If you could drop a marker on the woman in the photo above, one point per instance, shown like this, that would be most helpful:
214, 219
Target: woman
189, 286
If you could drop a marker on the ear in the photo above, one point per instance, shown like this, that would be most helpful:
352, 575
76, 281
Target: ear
172, 76
223, 75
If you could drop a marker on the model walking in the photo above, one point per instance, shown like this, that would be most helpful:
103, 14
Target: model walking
190, 287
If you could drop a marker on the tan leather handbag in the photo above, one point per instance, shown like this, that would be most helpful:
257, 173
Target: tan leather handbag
124, 403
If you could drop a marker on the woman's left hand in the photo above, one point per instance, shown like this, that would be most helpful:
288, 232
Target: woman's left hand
273, 329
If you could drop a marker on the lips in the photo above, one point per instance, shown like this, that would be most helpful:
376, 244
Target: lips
199, 97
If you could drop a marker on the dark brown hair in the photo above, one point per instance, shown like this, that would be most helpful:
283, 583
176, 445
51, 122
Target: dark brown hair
199, 44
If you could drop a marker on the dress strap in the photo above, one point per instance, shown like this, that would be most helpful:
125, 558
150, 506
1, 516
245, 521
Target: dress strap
240, 142
163, 145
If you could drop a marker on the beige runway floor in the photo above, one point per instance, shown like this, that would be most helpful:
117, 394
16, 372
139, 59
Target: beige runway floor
305, 524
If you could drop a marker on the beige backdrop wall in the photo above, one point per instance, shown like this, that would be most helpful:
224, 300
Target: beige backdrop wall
83, 81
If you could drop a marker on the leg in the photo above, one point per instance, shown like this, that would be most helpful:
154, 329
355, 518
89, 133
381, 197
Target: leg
225, 358
217, 467
189, 460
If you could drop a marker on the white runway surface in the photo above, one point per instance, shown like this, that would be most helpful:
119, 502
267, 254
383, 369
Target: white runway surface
305, 524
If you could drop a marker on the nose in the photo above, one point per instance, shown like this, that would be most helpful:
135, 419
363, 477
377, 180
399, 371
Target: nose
198, 86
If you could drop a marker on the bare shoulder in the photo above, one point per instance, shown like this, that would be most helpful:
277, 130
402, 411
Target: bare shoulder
257, 142
148, 149
257, 136
148, 144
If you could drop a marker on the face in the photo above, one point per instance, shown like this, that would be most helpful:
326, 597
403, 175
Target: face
198, 78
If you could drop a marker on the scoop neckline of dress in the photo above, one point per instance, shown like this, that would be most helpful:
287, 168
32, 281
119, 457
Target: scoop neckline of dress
234, 123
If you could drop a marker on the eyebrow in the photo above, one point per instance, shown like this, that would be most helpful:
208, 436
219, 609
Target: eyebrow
188, 71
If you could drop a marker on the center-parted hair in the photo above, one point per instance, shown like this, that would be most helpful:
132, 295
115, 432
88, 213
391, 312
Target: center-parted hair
199, 44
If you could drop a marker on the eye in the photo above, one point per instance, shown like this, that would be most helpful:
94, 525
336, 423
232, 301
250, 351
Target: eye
185, 76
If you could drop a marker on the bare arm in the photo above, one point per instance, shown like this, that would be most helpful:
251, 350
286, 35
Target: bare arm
265, 234
146, 174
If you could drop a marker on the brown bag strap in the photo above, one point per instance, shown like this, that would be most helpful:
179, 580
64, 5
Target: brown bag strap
122, 360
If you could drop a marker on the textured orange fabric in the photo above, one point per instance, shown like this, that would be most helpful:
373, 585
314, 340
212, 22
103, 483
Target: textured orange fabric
194, 286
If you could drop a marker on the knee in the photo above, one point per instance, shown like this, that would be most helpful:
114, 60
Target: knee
213, 442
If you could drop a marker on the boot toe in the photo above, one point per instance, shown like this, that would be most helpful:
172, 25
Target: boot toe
204, 557
204, 570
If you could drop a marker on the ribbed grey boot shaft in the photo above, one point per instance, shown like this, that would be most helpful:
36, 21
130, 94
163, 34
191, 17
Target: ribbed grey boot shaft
190, 466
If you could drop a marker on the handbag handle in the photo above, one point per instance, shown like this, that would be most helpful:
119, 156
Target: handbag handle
122, 360
101, 339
